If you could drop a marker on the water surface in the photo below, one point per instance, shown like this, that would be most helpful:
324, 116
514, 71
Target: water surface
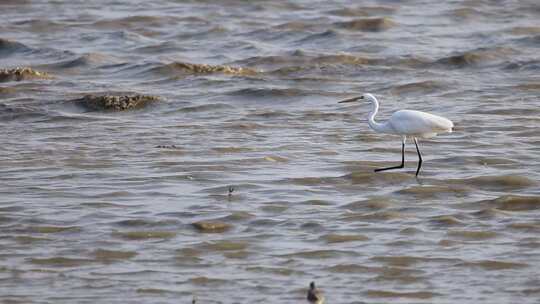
99, 206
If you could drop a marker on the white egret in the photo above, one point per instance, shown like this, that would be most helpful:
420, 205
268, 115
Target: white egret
411, 123
315, 295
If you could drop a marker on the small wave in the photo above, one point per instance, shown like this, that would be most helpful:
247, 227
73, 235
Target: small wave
476, 57
375, 216
417, 88
52, 229
526, 227
299, 61
528, 87
406, 261
320, 254
533, 41
324, 36
212, 226
525, 30
137, 20
204, 108
107, 256
370, 178
157, 48
238, 216
369, 204
367, 24
497, 183
60, 261
527, 65
268, 114
274, 270
224, 245
466, 13
270, 93
445, 220
473, 234
144, 223
489, 213
432, 191
349, 268
343, 238
493, 265
206, 281
517, 111
8, 47
13, 112
363, 11
514, 203
145, 235
295, 26
86, 60
313, 181
396, 294
232, 150
194, 69
41, 25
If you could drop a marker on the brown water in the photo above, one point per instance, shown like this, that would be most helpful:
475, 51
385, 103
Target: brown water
99, 206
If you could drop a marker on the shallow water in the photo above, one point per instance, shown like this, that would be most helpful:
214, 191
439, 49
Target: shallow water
99, 206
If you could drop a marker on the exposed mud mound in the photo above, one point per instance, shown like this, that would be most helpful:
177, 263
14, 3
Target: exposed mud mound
115, 102
19, 74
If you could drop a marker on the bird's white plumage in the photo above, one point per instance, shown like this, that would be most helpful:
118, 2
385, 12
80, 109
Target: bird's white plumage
407, 123
418, 124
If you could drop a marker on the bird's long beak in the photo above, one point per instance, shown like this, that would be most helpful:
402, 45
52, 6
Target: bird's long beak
352, 99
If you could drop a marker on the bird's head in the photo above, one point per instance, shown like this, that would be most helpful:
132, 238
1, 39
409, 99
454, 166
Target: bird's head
312, 285
367, 96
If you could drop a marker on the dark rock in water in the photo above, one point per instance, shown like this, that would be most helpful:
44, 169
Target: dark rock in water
367, 24
115, 102
212, 226
18, 74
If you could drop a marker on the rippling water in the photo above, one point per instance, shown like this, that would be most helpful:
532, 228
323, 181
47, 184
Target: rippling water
100, 206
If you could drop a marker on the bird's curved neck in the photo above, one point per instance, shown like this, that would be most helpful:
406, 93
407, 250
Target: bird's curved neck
379, 127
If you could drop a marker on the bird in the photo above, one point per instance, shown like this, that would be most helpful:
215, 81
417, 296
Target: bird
406, 123
314, 295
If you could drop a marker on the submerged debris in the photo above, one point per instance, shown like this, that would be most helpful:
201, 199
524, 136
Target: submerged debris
115, 102
18, 74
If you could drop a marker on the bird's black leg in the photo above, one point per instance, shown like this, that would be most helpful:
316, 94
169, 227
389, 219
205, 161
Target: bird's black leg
402, 159
419, 156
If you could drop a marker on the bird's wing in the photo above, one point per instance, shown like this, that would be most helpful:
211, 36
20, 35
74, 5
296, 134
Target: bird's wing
416, 123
